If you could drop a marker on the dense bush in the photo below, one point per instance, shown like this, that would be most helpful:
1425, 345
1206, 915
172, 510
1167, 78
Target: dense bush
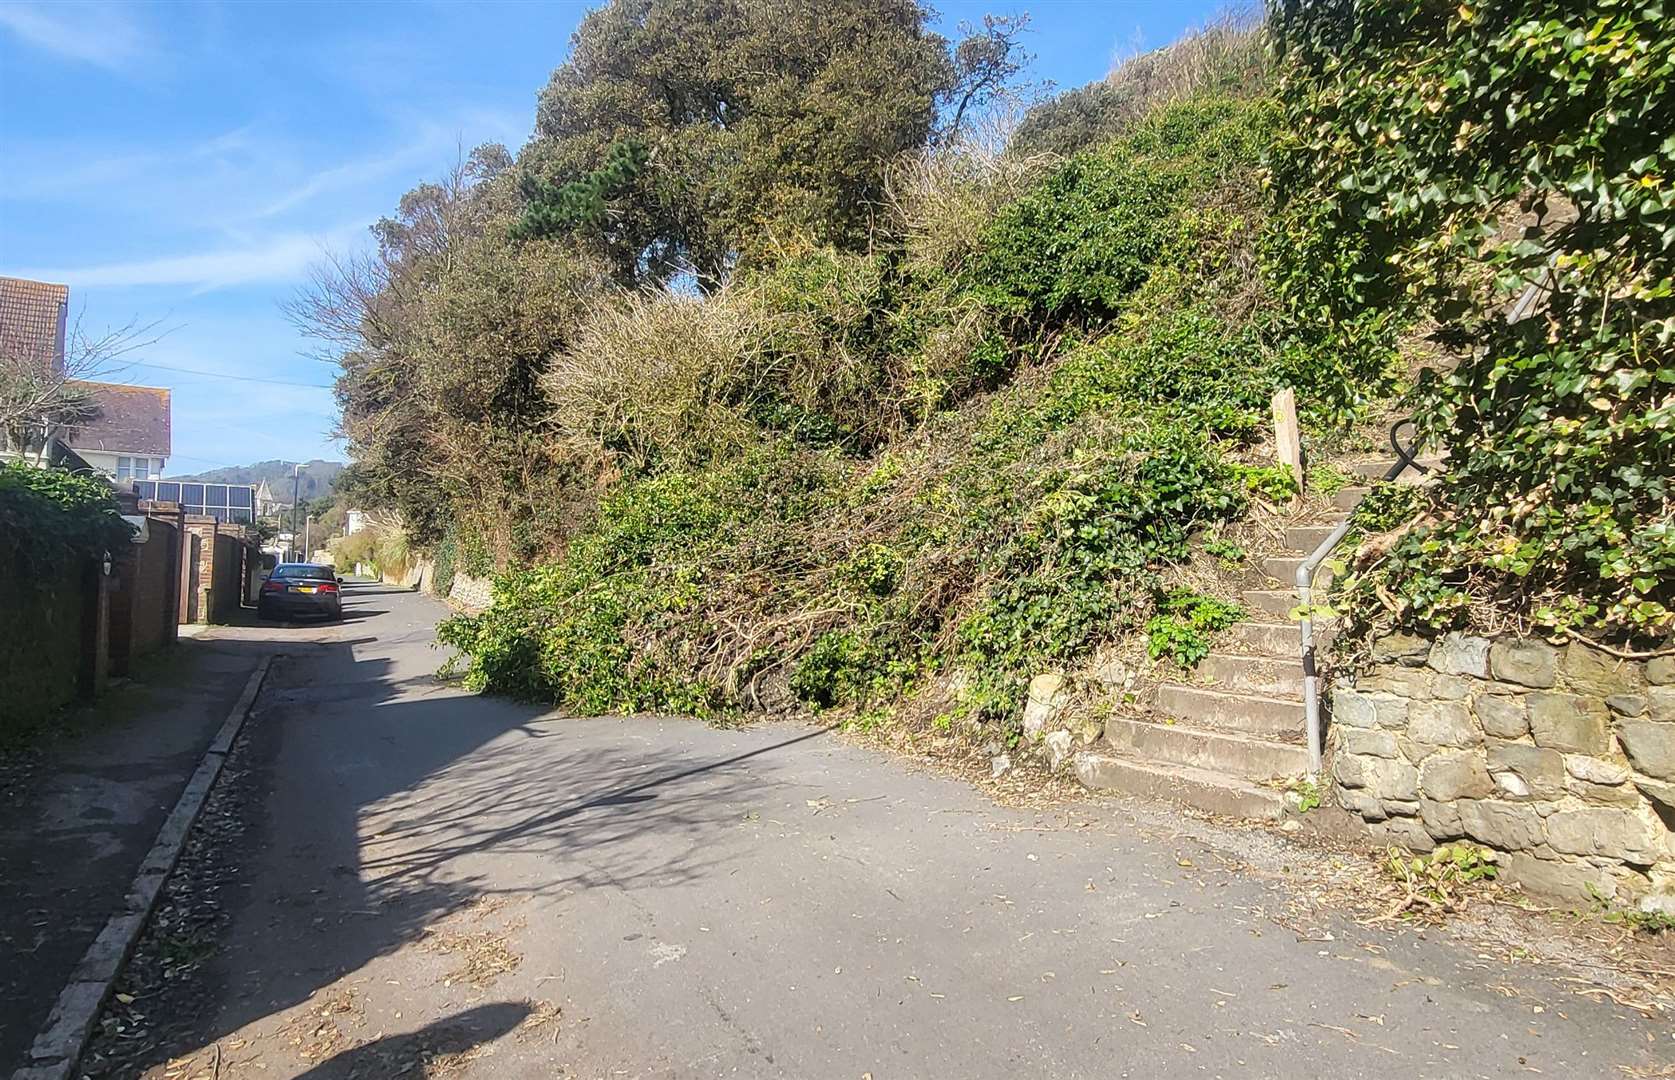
879, 477
54, 526
1458, 154
1092, 233
49, 518
1226, 58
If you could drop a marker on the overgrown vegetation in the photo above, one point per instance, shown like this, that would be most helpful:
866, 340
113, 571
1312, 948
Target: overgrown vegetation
1460, 154
920, 418
845, 475
1439, 882
54, 526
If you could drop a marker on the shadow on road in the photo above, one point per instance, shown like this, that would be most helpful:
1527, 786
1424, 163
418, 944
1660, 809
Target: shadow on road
437, 1047
378, 793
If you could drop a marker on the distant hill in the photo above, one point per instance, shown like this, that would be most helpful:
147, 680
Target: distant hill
317, 477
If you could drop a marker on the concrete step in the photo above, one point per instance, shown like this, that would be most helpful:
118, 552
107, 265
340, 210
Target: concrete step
1265, 676
1276, 639
1303, 539
1232, 755
1350, 497
1197, 788
1283, 569
1270, 601
1378, 467
1264, 638
1226, 711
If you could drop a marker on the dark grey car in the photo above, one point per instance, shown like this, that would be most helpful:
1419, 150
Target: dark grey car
301, 589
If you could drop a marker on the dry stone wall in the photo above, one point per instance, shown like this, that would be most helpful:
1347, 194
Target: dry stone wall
1563, 757
471, 593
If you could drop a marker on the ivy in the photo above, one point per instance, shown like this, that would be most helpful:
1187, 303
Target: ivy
1460, 153
50, 518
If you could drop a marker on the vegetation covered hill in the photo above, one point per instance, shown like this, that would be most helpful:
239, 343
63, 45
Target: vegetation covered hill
750, 404
318, 477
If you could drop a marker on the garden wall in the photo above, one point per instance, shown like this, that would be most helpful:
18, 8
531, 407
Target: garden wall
470, 593
1561, 757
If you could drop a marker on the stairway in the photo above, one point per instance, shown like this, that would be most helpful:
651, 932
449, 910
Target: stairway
1220, 741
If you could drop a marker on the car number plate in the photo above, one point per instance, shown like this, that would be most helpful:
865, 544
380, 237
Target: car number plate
307, 588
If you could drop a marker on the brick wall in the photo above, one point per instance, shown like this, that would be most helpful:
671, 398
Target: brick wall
154, 619
143, 605
220, 581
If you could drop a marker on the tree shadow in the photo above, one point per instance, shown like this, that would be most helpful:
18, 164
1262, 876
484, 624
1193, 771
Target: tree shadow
377, 791
452, 1037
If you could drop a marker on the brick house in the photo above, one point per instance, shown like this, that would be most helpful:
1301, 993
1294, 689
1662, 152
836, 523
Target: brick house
127, 434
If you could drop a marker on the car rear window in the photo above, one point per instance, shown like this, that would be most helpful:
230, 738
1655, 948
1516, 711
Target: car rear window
303, 570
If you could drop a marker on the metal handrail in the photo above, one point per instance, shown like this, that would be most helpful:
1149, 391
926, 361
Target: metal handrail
1405, 456
1521, 309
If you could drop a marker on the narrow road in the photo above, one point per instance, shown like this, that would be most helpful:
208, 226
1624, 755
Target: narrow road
466, 886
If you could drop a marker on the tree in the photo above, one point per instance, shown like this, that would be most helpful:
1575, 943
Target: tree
42, 396
756, 119
367, 310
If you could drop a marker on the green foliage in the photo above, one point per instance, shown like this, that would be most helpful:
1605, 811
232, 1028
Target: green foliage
581, 204
1327, 479
764, 120
1225, 58
1309, 794
1271, 483
50, 518
1083, 565
1388, 506
54, 526
1001, 538
1634, 919
1089, 236
1457, 154
1230, 555
601, 630
1440, 881
1182, 627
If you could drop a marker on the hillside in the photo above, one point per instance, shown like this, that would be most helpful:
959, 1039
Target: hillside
1016, 423
317, 476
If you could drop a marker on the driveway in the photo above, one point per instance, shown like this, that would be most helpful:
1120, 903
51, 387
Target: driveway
451, 885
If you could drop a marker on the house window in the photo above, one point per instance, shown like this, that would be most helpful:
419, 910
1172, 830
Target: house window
133, 468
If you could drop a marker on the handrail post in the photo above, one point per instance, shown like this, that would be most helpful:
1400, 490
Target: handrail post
1305, 597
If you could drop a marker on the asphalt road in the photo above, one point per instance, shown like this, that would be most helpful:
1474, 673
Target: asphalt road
466, 886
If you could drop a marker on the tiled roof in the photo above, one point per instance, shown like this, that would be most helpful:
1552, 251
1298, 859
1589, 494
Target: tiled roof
32, 316
131, 420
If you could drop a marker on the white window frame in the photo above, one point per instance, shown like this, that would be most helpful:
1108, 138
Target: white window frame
133, 468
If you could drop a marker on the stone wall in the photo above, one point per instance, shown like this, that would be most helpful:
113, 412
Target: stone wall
1562, 757
471, 593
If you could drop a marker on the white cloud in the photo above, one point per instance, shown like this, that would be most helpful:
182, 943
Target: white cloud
278, 259
98, 34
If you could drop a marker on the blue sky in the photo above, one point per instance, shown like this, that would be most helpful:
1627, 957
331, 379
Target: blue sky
184, 164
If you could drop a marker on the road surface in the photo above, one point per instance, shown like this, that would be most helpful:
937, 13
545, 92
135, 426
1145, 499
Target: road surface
462, 886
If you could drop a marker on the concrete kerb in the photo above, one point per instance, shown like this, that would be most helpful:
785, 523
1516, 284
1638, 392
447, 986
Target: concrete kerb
58, 1048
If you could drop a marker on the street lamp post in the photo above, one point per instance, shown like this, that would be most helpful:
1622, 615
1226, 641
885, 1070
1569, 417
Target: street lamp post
296, 489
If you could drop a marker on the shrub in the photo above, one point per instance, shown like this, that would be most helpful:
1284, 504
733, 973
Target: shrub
652, 379
54, 526
1181, 628
1457, 155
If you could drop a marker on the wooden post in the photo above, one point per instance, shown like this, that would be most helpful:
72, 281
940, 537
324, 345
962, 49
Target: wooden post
1288, 441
